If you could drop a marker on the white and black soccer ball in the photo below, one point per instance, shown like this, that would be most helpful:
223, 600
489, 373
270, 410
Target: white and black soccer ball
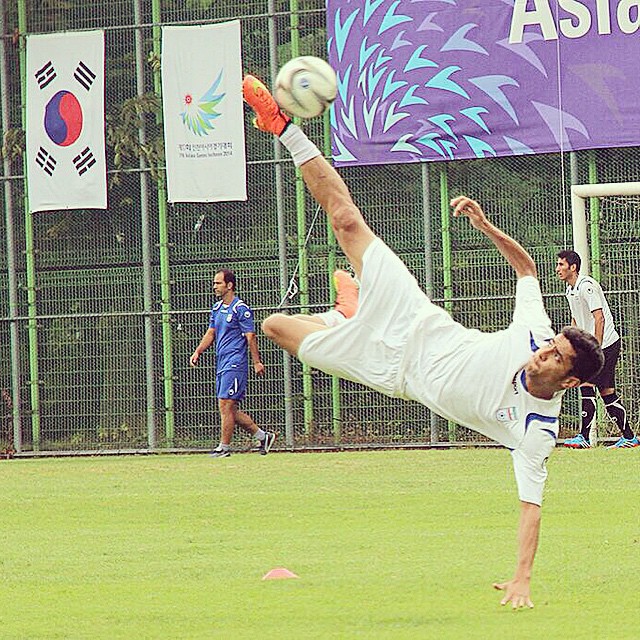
305, 86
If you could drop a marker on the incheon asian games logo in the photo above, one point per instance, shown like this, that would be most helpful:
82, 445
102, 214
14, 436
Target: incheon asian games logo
198, 116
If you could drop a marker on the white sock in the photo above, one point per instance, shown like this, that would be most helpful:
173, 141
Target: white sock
224, 447
260, 434
332, 318
298, 145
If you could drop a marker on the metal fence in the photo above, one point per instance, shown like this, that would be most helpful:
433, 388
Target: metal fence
101, 310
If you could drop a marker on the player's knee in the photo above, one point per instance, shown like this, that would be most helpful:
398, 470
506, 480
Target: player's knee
272, 326
227, 407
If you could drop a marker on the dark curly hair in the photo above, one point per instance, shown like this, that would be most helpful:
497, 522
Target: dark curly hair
571, 257
589, 358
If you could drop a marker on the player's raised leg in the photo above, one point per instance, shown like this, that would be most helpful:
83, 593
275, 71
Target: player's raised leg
346, 303
289, 331
322, 180
329, 190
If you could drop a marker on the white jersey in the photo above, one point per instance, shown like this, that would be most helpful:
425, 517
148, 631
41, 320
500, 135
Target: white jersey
403, 345
477, 379
584, 297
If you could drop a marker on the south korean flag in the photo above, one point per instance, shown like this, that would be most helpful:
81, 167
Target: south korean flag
66, 166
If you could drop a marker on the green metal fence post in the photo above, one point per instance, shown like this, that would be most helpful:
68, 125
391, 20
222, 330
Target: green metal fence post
595, 258
336, 405
428, 265
34, 382
12, 278
283, 271
445, 217
594, 218
163, 233
145, 233
303, 258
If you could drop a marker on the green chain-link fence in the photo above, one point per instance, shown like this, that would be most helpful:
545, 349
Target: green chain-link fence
101, 309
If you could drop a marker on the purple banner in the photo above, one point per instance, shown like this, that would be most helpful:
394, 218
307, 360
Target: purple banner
429, 80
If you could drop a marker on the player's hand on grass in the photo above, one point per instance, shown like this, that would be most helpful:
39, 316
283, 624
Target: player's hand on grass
516, 592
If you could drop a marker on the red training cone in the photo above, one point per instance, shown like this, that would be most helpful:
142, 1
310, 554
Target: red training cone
279, 573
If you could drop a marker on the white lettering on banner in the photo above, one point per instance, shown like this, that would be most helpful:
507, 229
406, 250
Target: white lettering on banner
580, 22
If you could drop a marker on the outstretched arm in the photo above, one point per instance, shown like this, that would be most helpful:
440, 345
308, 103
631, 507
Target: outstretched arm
517, 590
515, 254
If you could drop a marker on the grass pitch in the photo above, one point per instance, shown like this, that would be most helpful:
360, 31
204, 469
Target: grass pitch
386, 544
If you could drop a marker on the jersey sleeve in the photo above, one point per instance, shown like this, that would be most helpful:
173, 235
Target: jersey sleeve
530, 458
529, 311
591, 295
212, 318
245, 318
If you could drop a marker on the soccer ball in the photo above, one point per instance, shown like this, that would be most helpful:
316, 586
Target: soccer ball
305, 86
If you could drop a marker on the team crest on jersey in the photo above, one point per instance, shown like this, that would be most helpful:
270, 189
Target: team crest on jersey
506, 414
229, 317
247, 314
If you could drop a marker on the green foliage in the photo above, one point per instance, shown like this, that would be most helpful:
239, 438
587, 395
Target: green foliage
123, 124
14, 143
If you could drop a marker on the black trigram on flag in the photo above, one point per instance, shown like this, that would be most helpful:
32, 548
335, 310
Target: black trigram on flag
84, 75
46, 161
84, 161
45, 75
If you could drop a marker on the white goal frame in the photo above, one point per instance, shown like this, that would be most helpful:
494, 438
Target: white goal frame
579, 194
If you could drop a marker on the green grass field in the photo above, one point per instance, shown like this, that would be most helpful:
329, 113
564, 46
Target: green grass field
386, 544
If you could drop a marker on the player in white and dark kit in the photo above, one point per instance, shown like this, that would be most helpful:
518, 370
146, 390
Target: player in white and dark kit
590, 311
231, 326
507, 385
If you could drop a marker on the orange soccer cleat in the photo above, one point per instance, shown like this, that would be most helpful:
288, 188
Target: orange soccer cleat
269, 116
346, 293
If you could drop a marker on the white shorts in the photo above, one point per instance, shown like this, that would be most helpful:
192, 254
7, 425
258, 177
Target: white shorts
370, 347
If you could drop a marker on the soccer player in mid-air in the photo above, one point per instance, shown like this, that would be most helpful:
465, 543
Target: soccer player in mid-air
507, 385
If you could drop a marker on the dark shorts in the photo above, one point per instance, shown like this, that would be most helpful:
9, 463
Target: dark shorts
231, 384
606, 379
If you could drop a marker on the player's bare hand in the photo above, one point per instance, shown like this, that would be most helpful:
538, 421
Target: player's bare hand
258, 367
463, 206
193, 360
516, 592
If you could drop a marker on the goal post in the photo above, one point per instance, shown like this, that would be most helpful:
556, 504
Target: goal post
579, 194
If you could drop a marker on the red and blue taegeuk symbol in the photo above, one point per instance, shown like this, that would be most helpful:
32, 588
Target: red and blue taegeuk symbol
63, 118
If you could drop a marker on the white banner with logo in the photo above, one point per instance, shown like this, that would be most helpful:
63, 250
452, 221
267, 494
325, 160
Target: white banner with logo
66, 167
203, 114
